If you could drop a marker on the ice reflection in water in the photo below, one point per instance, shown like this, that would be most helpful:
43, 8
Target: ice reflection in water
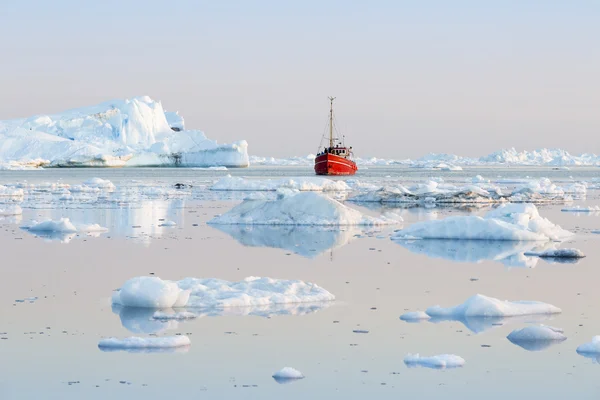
482, 324
306, 241
535, 345
148, 320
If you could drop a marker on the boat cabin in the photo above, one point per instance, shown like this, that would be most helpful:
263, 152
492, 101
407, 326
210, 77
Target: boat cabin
337, 151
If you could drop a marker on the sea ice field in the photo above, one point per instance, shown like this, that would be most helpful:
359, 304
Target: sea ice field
269, 283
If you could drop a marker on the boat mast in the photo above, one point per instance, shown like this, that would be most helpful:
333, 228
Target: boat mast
331, 99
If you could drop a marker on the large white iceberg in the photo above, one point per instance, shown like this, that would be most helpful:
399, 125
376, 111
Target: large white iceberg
131, 132
153, 292
304, 208
518, 222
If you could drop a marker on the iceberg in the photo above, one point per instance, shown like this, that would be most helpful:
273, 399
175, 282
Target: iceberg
139, 343
489, 307
535, 338
155, 293
436, 362
63, 225
287, 374
515, 222
117, 133
304, 208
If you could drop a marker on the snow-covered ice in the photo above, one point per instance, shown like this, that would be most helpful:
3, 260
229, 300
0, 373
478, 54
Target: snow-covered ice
557, 253
483, 306
315, 184
130, 132
304, 208
536, 337
414, 316
516, 222
153, 292
437, 362
135, 342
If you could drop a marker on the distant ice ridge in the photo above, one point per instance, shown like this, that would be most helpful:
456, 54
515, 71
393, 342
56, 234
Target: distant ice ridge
304, 208
135, 342
517, 222
579, 209
541, 157
301, 183
153, 292
438, 362
479, 192
130, 132
489, 307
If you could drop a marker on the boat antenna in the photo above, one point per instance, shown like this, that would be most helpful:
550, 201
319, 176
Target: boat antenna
331, 99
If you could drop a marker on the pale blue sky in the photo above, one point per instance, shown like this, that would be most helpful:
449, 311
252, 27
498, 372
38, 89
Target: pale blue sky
466, 77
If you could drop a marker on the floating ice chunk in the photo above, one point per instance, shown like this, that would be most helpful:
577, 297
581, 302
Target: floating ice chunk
437, 362
557, 253
581, 209
84, 189
168, 223
592, 347
100, 184
286, 374
10, 211
534, 338
62, 225
153, 292
479, 179
90, 228
518, 222
414, 316
305, 208
483, 306
11, 192
315, 184
135, 342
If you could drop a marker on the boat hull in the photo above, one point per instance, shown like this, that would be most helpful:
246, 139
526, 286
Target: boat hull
329, 164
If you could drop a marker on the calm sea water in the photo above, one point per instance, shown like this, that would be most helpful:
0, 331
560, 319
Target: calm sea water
49, 345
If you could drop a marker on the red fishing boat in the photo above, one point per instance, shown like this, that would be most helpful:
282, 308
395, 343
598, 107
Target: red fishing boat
336, 159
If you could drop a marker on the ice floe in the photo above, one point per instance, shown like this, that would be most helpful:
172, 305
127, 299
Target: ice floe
483, 306
153, 292
315, 184
304, 208
557, 253
437, 362
63, 225
143, 343
591, 349
414, 316
287, 374
130, 132
535, 338
580, 209
515, 222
